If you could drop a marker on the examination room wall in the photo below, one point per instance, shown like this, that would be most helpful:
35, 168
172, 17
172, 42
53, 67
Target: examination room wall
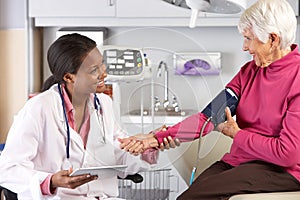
13, 87
193, 92
160, 43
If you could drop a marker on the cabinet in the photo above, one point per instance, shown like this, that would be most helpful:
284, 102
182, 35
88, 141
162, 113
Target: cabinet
112, 13
71, 8
153, 8
160, 8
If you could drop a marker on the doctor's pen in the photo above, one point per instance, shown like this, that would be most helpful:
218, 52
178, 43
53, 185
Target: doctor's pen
198, 151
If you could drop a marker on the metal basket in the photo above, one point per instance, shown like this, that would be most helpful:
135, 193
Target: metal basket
155, 186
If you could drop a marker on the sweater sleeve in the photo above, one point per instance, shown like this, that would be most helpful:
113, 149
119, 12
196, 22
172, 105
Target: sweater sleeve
241, 78
45, 186
186, 130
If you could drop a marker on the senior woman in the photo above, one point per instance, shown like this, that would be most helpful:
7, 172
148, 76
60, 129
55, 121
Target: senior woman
265, 153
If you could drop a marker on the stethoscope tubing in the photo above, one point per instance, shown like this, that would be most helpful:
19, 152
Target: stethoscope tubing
66, 120
97, 106
199, 148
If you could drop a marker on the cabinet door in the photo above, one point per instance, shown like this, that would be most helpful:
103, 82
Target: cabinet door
163, 8
150, 8
72, 8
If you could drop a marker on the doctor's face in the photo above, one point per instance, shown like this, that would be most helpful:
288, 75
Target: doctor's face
91, 73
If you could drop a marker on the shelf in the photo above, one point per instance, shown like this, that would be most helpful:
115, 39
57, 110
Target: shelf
130, 119
129, 22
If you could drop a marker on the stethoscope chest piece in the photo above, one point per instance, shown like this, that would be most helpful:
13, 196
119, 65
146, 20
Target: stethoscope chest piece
67, 164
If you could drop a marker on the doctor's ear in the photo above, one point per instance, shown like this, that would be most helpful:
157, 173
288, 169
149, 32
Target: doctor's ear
69, 78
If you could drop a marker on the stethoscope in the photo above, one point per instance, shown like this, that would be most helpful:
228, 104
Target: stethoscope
98, 109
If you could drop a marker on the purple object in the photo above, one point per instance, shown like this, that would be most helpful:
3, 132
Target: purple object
195, 67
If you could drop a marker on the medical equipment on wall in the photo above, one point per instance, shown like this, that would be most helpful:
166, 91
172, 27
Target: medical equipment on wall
209, 7
123, 63
67, 164
197, 63
196, 6
215, 112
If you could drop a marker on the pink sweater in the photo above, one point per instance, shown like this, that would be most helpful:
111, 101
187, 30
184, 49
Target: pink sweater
268, 114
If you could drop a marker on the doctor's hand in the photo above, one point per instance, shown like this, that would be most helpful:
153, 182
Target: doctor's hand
138, 143
230, 127
62, 179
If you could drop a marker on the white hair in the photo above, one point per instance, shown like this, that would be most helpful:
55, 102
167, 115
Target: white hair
270, 16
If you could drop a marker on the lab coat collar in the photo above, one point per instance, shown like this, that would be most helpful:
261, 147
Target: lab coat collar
60, 116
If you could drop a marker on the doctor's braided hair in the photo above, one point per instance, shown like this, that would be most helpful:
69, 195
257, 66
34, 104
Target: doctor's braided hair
66, 55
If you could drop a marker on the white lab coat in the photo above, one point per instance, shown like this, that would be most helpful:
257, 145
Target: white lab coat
36, 147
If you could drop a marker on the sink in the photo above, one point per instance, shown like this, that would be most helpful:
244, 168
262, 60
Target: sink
162, 112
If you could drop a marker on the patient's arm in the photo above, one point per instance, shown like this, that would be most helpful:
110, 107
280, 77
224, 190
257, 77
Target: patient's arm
139, 143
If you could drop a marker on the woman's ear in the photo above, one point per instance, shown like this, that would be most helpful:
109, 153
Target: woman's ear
69, 78
275, 39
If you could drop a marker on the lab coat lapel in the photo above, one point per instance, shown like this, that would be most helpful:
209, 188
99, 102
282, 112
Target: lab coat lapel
99, 149
74, 136
100, 152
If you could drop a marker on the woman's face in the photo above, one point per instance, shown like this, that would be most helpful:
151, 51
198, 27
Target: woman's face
261, 52
90, 75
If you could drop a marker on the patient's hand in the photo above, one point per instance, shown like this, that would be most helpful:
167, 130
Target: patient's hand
139, 143
169, 142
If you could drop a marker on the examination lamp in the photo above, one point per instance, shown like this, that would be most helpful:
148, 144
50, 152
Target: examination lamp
212, 6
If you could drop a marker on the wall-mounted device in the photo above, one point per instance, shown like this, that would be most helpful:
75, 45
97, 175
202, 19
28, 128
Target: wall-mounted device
229, 7
197, 63
123, 63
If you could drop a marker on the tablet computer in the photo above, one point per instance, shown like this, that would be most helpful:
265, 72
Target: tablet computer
102, 172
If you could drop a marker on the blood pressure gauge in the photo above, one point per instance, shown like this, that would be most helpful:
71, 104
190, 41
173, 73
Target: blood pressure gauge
123, 63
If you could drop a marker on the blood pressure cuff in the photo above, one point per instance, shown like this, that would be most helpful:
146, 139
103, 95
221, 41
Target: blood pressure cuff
216, 108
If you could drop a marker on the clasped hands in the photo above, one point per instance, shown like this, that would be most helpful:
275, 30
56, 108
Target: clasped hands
138, 143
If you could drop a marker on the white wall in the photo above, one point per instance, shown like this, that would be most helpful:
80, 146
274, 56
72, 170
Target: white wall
160, 44
193, 92
12, 14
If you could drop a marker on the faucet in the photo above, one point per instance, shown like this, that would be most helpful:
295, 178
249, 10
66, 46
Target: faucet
156, 104
175, 104
169, 107
161, 65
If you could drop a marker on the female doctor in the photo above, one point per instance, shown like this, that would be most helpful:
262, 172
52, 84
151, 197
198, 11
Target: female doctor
67, 126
